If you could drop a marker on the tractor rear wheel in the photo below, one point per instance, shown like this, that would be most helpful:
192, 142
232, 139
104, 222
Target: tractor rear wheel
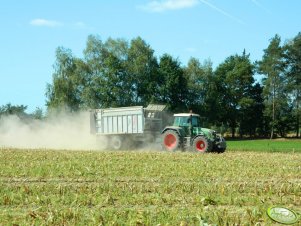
202, 144
171, 140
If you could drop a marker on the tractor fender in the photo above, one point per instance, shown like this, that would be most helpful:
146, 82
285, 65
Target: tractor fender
199, 135
179, 130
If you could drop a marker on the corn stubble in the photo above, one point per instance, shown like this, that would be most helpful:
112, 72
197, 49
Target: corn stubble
45, 187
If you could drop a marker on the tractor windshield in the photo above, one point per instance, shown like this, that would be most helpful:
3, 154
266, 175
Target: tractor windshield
183, 121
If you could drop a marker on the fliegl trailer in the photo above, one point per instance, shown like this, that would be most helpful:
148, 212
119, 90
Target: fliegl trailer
124, 127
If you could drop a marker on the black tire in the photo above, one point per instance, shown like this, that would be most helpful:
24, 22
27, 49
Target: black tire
220, 150
202, 144
171, 140
116, 143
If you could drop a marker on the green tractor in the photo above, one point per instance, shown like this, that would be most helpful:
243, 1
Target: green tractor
187, 134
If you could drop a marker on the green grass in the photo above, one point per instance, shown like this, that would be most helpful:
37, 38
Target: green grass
44, 187
265, 145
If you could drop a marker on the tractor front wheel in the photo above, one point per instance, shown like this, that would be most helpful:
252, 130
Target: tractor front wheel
220, 150
171, 140
202, 144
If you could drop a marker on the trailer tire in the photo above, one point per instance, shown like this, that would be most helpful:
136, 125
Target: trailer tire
116, 142
202, 144
170, 140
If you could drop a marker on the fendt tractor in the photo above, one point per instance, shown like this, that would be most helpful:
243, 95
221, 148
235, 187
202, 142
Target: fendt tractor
186, 133
125, 127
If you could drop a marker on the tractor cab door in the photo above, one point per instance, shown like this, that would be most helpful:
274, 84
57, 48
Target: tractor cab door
196, 125
196, 121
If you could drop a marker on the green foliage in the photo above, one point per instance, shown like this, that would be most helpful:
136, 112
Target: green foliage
143, 67
112, 74
293, 72
172, 84
272, 66
64, 93
238, 94
44, 187
117, 73
251, 112
20, 112
38, 113
93, 88
203, 91
10, 109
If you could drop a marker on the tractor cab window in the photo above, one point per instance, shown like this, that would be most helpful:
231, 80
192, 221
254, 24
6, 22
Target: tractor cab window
182, 121
179, 121
186, 121
196, 122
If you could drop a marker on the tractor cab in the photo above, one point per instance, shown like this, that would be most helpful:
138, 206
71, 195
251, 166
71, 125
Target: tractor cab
190, 123
183, 120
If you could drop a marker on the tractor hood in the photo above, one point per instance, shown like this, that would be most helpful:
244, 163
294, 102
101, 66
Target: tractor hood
211, 134
184, 131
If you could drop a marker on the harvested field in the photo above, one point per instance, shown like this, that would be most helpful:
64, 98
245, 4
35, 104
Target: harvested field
145, 187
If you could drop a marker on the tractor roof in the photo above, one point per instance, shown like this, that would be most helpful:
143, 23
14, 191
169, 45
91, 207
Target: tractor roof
186, 114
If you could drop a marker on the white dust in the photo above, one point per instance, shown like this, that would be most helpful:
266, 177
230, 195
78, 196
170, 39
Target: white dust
59, 131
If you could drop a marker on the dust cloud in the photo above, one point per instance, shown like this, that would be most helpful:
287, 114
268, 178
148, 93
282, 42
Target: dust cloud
58, 131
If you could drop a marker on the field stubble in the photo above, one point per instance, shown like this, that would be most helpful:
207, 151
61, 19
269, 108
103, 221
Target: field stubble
45, 187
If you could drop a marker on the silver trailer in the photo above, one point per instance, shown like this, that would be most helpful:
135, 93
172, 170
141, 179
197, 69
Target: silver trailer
119, 128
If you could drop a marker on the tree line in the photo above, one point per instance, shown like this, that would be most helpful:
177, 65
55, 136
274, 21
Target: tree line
20, 112
117, 72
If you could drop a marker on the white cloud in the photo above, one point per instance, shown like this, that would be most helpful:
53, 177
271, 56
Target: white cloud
45, 23
53, 23
165, 5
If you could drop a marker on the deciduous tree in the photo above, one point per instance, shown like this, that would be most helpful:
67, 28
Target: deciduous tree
143, 68
172, 83
235, 79
64, 92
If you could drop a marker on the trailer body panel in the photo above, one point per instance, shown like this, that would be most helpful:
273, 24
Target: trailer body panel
126, 120
126, 126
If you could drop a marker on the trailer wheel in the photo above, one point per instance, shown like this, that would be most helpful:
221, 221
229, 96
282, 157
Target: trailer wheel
116, 142
171, 140
202, 144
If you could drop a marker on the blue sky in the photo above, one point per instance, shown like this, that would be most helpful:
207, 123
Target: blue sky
31, 30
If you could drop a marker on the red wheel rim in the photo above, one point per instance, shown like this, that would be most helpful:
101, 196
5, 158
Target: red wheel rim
170, 141
200, 146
